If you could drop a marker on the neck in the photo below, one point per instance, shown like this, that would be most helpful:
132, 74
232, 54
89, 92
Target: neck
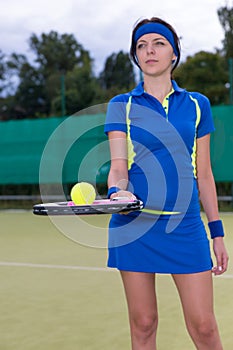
159, 88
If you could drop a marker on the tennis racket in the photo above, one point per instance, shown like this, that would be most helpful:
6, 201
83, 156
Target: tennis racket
104, 206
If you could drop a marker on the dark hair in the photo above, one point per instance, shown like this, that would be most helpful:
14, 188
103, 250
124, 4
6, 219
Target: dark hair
133, 55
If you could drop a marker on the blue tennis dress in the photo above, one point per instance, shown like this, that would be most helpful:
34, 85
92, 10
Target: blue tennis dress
168, 235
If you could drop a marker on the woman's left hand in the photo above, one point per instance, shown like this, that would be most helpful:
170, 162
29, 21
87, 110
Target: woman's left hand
221, 256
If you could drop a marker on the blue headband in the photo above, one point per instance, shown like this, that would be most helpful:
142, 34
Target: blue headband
158, 28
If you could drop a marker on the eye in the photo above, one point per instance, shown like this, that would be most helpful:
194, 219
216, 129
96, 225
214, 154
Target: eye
160, 43
141, 46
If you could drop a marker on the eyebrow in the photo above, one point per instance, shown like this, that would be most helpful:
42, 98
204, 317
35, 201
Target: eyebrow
155, 39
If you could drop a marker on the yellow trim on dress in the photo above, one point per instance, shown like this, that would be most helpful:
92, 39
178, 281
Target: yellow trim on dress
131, 153
160, 212
165, 103
194, 152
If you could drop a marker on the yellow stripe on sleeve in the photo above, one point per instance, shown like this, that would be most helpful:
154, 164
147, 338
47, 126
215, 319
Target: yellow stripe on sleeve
194, 149
131, 153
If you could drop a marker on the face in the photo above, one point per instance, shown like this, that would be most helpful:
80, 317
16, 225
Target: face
155, 54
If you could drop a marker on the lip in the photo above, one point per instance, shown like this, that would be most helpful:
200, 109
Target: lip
151, 61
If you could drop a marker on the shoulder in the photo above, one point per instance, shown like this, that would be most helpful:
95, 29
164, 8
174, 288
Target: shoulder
193, 95
120, 98
200, 98
205, 122
137, 91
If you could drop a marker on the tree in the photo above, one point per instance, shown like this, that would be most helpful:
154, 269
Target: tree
56, 53
28, 99
2, 65
118, 74
204, 72
81, 88
225, 15
61, 57
7, 75
39, 91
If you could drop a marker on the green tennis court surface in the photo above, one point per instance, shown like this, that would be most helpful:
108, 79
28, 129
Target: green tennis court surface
58, 295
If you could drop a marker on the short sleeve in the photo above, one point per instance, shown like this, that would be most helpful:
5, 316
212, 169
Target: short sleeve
206, 124
116, 115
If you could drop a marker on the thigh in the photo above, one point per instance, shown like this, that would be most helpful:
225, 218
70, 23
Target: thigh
140, 293
196, 294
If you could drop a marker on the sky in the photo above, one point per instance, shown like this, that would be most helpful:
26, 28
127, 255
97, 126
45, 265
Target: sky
104, 27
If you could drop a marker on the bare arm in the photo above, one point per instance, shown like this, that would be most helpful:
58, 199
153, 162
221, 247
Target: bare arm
206, 184
118, 174
208, 197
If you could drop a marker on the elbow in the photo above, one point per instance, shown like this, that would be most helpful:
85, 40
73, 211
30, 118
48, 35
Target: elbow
205, 174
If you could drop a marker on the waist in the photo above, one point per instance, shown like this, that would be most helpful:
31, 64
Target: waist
162, 198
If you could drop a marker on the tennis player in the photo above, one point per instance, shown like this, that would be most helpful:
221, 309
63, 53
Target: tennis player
159, 139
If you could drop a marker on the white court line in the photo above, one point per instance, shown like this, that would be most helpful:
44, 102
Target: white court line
49, 266
225, 276
80, 268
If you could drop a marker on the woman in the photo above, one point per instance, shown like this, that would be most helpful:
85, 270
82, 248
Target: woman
159, 141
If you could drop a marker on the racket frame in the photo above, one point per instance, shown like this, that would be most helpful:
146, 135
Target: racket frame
104, 206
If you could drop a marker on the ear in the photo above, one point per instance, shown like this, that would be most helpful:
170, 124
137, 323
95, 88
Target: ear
174, 58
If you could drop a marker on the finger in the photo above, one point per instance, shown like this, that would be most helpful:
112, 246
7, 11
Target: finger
221, 266
126, 194
225, 263
217, 270
114, 195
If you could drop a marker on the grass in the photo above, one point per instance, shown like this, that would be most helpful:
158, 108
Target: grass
45, 306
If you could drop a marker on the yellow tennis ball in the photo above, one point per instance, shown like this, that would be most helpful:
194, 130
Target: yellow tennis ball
83, 193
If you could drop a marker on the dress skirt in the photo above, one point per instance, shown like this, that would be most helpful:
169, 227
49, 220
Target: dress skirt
162, 244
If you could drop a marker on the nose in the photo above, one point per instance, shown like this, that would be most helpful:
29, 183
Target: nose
150, 48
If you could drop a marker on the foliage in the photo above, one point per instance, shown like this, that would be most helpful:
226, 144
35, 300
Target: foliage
60, 79
225, 15
118, 74
56, 53
61, 74
207, 73
80, 88
2, 67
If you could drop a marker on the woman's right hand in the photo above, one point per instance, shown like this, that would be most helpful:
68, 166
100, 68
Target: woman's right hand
123, 194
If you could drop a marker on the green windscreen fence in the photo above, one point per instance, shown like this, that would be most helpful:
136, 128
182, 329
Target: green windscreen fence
72, 149
222, 144
54, 150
